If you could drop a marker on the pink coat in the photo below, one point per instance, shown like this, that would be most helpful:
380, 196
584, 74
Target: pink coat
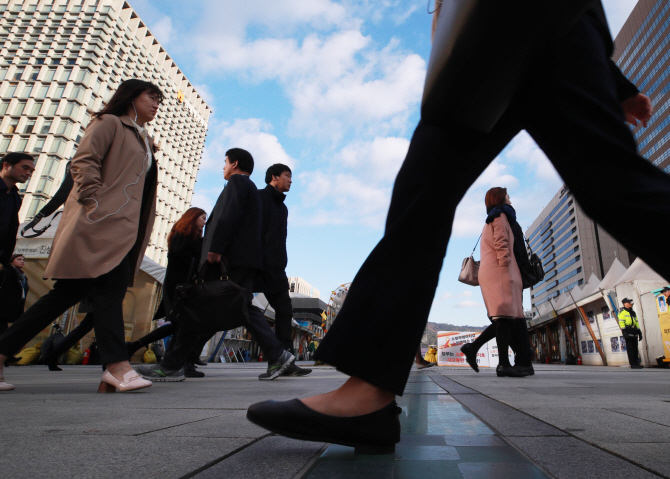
499, 275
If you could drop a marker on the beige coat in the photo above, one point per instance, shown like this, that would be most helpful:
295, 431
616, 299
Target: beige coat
102, 221
499, 275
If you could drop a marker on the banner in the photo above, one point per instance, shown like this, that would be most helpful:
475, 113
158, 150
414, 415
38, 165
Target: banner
663, 309
449, 350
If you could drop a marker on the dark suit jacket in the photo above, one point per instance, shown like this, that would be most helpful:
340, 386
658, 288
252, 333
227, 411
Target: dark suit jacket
183, 252
11, 227
234, 227
275, 218
12, 301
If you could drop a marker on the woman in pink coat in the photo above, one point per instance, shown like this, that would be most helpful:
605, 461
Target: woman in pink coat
499, 275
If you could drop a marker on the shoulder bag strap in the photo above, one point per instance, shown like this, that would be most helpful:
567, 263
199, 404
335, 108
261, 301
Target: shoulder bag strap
473, 249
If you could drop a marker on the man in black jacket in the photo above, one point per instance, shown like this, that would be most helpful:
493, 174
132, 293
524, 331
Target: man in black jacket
14, 168
232, 235
272, 281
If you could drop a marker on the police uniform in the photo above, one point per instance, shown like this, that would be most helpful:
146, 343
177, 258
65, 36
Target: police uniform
631, 331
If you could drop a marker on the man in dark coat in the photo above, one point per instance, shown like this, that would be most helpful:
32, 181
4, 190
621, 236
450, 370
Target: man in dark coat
232, 235
272, 281
14, 168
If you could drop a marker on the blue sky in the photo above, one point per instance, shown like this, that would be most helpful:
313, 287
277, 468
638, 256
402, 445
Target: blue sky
333, 90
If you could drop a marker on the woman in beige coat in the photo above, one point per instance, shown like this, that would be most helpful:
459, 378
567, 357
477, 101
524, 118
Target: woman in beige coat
104, 231
499, 275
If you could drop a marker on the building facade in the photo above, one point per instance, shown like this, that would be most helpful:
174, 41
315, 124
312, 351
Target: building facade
299, 285
571, 246
643, 55
60, 60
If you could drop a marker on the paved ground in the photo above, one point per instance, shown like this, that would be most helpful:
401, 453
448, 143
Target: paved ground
564, 422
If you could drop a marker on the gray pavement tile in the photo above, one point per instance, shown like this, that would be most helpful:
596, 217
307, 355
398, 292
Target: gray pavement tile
225, 424
416, 440
352, 470
657, 412
336, 452
568, 458
423, 388
450, 386
653, 455
273, 457
427, 470
504, 419
482, 470
483, 441
103, 457
438, 415
491, 454
423, 453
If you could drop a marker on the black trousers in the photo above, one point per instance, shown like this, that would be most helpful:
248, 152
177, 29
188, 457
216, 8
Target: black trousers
632, 350
106, 293
73, 337
569, 106
281, 303
187, 340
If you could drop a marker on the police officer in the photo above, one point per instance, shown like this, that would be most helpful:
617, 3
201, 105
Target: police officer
631, 331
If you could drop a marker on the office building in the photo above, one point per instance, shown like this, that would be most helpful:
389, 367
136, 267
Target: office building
61, 59
643, 55
571, 246
299, 285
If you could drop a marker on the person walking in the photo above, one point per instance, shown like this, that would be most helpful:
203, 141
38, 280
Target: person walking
272, 280
232, 235
631, 332
573, 102
104, 231
14, 168
13, 292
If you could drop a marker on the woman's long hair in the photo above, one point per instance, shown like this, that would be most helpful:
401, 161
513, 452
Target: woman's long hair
186, 225
123, 97
495, 197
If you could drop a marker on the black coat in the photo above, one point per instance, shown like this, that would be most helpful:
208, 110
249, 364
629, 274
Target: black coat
233, 229
273, 236
12, 301
183, 252
8, 239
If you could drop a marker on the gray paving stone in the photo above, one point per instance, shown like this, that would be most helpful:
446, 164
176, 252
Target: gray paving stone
653, 455
487, 470
464, 441
450, 386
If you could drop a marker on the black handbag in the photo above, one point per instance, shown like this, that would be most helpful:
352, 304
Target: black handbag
211, 302
483, 50
533, 273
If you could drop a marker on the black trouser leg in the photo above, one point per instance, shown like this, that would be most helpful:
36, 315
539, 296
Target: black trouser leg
72, 338
487, 335
440, 166
632, 350
65, 294
158, 333
4, 325
281, 303
520, 343
503, 330
182, 347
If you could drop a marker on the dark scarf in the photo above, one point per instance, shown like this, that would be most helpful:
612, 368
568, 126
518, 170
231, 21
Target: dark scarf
520, 253
632, 313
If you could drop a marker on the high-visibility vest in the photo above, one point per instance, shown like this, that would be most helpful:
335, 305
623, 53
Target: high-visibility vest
626, 320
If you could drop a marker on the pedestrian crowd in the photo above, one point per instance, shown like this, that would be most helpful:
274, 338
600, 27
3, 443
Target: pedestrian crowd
569, 96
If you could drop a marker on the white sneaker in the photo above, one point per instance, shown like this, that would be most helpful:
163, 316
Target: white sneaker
4, 385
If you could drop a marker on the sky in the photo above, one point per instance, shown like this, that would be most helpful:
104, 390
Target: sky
333, 89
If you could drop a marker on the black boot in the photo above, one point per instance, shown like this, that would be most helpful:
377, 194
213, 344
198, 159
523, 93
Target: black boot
503, 329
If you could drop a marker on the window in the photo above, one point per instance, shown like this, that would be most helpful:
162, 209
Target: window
42, 93
44, 186
53, 107
77, 93
65, 76
51, 167
50, 74
71, 110
30, 125
19, 73
39, 145
35, 110
84, 76
46, 126
58, 146
3, 107
4, 144
35, 206
34, 75
40, 61
3, 73
19, 108
72, 61
60, 91
65, 128
11, 90
22, 145
12, 126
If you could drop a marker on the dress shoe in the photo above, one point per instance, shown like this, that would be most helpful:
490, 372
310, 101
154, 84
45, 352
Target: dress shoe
278, 366
199, 362
192, 372
637, 367
425, 365
470, 355
131, 381
509, 371
4, 385
374, 433
53, 366
525, 369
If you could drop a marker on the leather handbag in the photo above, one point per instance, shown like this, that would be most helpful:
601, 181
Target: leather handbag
534, 272
470, 269
483, 50
212, 302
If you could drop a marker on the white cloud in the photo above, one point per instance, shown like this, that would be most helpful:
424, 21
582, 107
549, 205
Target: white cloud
380, 158
468, 303
253, 135
162, 30
204, 201
446, 295
205, 92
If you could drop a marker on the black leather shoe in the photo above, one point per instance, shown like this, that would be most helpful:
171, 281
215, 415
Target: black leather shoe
470, 355
193, 373
509, 371
525, 369
374, 433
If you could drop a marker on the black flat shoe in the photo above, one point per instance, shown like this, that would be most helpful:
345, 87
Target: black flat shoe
509, 371
54, 366
11, 360
374, 433
525, 369
470, 356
